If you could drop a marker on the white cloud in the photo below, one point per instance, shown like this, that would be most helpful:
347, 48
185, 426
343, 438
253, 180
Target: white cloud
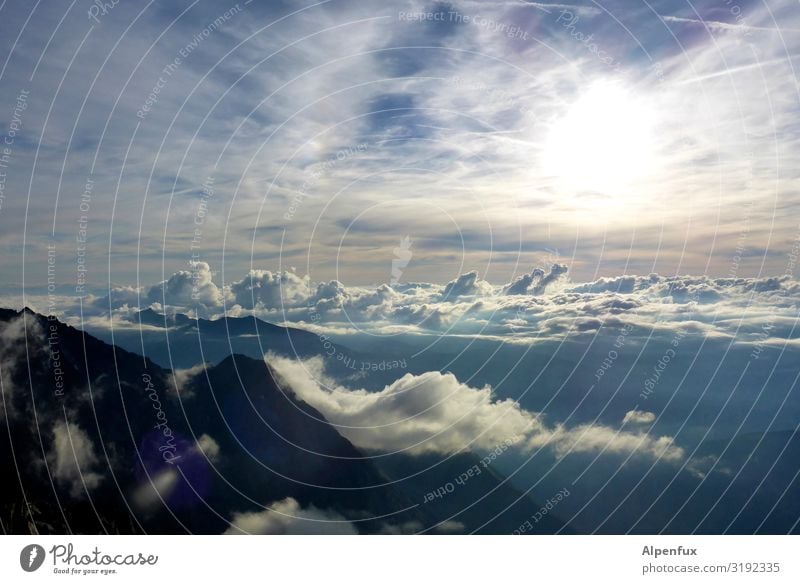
538, 306
724, 26
72, 459
12, 354
150, 493
209, 447
182, 377
287, 517
271, 290
536, 282
468, 284
188, 288
434, 412
638, 417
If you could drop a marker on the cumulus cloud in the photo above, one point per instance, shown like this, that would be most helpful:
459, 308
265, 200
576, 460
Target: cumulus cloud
271, 290
189, 288
72, 458
539, 305
435, 413
536, 282
287, 517
119, 296
468, 284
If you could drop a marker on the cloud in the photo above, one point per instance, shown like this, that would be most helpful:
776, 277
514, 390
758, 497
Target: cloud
536, 282
13, 340
538, 307
188, 288
725, 26
408, 528
182, 377
435, 413
287, 517
119, 296
468, 284
159, 487
577, 8
209, 447
413, 527
72, 458
151, 493
638, 417
450, 527
485, 136
271, 290
592, 438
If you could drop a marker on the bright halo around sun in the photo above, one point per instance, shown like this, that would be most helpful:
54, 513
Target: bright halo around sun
604, 144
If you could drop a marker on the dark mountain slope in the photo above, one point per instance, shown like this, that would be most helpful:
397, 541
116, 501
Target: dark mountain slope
125, 419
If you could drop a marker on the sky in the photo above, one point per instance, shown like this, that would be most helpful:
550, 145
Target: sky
375, 143
508, 195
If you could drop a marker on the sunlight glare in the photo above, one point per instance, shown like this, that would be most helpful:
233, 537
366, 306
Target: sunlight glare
603, 144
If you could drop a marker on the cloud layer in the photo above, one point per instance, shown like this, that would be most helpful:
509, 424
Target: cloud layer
540, 306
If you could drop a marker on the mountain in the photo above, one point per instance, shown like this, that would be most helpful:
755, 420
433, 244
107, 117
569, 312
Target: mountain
181, 342
178, 341
471, 493
742, 485
101, 440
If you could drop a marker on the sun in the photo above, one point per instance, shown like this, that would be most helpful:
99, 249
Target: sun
604, 143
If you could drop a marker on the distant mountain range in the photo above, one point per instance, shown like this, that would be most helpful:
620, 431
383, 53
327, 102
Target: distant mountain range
102, 440
181, 342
